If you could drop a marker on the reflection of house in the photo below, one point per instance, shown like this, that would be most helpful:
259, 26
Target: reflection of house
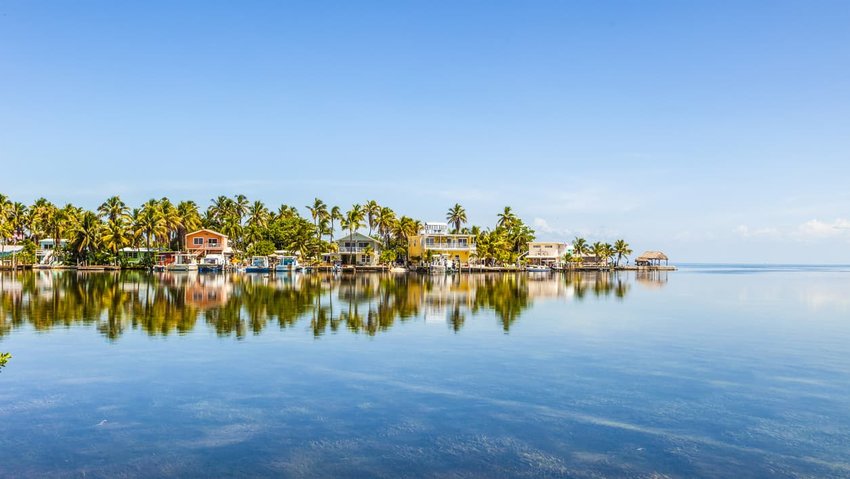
204, 242
208, 292
548, 253
357, 249
435, 238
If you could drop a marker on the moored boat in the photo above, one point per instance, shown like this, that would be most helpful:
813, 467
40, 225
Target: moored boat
259, 264
537, 268
183, 262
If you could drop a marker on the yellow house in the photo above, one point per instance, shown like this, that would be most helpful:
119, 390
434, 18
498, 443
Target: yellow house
435, 237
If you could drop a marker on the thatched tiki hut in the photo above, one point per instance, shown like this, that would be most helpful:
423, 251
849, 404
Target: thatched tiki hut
652, 258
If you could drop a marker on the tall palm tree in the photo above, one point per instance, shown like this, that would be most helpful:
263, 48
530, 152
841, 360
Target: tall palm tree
190, 220
151, 222
115, 236
335, 214
580, 247
372, 209
506, 218
598, 249
384, 222
456, 216
258, 215
318, 211
240, 207
622, 250
18, 219
113, 208
87, 234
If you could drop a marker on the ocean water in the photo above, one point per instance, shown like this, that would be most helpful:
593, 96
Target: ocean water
709, 371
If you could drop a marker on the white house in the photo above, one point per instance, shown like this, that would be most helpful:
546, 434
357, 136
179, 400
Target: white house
357, 249
548, 253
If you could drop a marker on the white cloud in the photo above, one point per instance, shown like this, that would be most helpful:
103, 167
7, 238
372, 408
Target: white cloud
746, 232
817, 229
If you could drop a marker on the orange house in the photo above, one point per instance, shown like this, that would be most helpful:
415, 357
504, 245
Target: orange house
204, 241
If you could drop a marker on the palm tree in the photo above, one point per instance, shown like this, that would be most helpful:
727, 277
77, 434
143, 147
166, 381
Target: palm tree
151, 222
622, 250
87, 234
601, 251
372, 209
506, 218
240, 207
352, 221
17, 218
336, 214
456, 216
318, 211
384, 222
258, 215
580, 248
113, 208
115, 236
190, 220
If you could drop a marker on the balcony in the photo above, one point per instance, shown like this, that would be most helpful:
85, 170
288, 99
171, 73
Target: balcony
354, 249
453, 246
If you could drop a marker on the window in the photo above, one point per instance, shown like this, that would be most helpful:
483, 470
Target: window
213, 241
362, 244
197, 241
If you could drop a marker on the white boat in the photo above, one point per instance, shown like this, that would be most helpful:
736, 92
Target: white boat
287, 264
259, 264
183, 262
537, 268
398, 269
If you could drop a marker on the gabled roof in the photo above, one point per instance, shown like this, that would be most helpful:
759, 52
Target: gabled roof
357, 237
208, 231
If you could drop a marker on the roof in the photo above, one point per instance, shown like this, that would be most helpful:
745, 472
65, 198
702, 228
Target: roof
358, 236
654, 255
208, 231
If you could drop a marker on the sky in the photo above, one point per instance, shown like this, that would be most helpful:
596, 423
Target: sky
715, 131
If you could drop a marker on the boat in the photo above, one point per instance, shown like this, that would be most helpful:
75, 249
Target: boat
398, 269
287, 264
259, 264
211, 263
183, 262
537, 268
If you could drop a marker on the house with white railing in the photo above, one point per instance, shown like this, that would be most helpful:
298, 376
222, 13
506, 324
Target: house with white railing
357, 249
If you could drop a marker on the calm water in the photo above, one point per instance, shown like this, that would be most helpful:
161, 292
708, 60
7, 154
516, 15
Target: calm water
711, 371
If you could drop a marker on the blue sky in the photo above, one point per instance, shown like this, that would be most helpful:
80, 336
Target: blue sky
716, 131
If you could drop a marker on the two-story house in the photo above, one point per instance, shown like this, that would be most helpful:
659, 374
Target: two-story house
547, 253
435, 237
357, 249
208, 242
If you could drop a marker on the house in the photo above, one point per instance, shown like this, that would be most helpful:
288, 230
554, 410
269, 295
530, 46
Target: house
357, 249
436, 239
204, 242
547, 253
46, 249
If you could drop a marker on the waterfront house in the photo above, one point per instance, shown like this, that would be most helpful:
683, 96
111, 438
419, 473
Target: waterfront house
547, 253
47, 247
136, 256
208, 242
435, 238
357, 249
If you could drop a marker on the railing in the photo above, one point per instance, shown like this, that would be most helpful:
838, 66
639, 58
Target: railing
451, 246
353, 249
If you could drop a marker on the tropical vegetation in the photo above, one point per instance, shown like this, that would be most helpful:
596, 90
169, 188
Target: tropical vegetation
98, 236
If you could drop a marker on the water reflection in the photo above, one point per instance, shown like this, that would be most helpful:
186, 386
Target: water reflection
235, 305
